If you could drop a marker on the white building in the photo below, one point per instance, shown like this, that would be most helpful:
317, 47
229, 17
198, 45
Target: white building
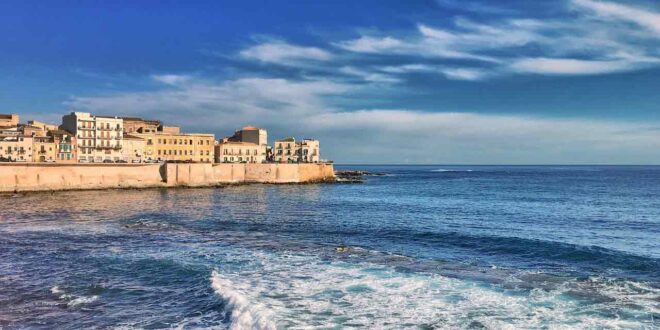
99, 137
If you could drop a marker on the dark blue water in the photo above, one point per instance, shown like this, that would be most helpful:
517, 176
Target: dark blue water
421, 247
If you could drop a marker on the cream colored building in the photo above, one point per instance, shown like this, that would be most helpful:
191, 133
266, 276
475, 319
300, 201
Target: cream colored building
288, 150
8, 120
16, 148
239, 152
99, 138
310, 150
44, 149
133, 149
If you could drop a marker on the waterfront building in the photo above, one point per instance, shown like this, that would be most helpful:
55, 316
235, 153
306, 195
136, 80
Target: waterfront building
44, 127
139, 125
8, 120
285, 150
250, 134
16, 148
193, 147
31, 130
309, 151
44, 149
67, 152
239, 152
133, 149
289, 150
99, 138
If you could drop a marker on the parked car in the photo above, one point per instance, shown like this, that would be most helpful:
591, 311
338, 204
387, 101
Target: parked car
107, 161
121, 161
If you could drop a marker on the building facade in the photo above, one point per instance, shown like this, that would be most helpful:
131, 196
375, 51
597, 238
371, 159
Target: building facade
16, 148
309, 151
133, 149
44, 149
239, 152
289, 150
99, 138
139, 125
193, 147
8, 120
67, 151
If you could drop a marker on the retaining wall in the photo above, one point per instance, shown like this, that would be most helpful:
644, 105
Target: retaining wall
44, 176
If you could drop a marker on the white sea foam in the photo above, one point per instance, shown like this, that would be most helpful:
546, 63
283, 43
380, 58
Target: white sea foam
82, 300
448, 170
305, 292
55, 290
245, 312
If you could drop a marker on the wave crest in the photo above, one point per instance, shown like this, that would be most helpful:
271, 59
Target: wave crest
244, 315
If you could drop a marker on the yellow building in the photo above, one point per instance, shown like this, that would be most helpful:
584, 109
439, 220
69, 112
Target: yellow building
239, 152
41, 125
8, 120
192, 147
16, 148
44, 149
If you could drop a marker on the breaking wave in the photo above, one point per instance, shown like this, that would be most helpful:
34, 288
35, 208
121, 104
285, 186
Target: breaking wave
243, 314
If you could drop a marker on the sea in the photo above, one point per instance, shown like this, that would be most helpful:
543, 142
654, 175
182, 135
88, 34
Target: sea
417, 247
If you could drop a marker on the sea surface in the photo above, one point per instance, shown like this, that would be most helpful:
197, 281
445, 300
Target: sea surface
421, 247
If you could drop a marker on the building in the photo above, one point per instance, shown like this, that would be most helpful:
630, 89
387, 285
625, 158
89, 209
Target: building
309, 150
192, 147
44, 149
67, 152
139, 125
285, 150
289, 151
45, 127
239, 152
16, 148
31, 130
8, 120
250, 134
133, 149
99, 138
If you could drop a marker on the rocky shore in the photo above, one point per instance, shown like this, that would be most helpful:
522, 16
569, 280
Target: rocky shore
354, 176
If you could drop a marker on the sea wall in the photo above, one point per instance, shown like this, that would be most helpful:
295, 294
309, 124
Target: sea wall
45, 176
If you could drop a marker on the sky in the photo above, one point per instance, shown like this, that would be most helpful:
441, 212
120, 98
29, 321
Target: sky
378, 82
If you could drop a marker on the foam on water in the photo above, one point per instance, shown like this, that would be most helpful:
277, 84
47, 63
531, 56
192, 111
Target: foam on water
245, 312
304, 292
448, 170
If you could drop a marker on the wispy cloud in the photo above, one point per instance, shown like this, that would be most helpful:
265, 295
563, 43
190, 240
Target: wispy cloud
576, 44
640, 16
171, 79
280, 52
304, 109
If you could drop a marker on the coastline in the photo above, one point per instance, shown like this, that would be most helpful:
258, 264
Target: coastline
32, 177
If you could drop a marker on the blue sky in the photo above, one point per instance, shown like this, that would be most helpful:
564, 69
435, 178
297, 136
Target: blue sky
444, 81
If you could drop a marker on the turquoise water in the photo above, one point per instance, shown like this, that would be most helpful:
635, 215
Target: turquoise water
427, 247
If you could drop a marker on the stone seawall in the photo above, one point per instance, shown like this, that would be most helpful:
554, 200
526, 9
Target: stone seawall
40, 176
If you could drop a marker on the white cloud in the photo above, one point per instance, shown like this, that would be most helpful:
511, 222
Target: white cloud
571, 45
171, 79
643, 17
567, 66
280, 52
464, 74
445, 137
368, 75
385, 136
